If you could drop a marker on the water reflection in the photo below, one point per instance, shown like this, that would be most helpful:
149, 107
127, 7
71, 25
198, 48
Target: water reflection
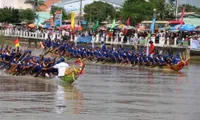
36, 96
25, 95
68, 99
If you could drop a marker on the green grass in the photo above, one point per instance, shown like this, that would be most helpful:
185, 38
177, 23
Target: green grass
4, 41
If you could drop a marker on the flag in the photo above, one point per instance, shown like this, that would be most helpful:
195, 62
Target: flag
72, 20
128, 22
153, 25
61, 16
38, 20
113, 25
182, 15
95, 26
58, 18
16, 42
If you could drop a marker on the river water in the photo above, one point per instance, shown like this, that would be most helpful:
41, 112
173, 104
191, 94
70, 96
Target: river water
105, 93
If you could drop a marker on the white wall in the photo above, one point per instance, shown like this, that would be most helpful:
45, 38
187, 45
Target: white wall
19, 4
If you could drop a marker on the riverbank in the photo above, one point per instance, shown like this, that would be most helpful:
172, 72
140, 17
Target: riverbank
195, 59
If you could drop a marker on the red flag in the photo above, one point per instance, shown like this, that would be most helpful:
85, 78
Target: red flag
128, 22
16, 42
182, 15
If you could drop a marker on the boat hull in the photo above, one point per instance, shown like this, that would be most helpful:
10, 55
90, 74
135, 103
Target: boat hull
70, 78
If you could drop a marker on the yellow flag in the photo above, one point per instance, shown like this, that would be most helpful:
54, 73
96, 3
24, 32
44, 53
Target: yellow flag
16, 42
72, 20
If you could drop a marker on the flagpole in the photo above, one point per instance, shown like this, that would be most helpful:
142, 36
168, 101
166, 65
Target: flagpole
152, 31
176, 9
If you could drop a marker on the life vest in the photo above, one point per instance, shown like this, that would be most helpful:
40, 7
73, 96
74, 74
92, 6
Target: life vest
152, 49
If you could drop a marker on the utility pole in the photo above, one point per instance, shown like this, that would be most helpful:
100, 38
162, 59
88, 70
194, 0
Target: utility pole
80, 14
176, 9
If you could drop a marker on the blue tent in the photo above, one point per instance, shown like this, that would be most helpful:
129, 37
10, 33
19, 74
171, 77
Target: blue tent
187, 27
176, 27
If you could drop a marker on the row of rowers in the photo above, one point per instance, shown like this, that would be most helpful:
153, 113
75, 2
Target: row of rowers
112, 55
17, 62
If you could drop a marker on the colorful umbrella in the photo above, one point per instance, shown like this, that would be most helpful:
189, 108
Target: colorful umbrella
8, 25
110, 25
122, 26
102, 28
141, 28
197, 28
31, 25
129, 27
68, 27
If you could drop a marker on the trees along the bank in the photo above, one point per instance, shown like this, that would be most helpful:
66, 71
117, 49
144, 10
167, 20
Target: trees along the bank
27, 15
189, 8
99, 11
139, 10
65, 16
11, 15
6, 15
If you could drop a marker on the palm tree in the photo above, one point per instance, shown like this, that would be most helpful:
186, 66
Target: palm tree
35, 3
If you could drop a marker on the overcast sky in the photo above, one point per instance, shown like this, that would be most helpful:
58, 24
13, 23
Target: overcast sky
118, 2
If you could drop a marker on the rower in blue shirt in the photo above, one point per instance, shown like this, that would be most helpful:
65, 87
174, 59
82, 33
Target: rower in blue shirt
176, 59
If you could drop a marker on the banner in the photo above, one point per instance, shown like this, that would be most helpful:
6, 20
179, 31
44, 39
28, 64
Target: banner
95, 26
58, 18
128, 22
72, 20
113, 25
153, 25
195, 44
85, 39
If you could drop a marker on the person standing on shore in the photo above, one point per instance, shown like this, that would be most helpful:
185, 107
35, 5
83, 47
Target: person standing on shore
151, 48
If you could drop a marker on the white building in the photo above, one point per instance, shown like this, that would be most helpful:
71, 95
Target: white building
18, 4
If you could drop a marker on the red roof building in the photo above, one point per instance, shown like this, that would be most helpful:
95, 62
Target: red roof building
48, 4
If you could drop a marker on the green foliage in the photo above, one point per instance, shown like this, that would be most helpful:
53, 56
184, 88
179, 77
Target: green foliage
164, 10
139, 10
189, 8
27, 15
3, 41
65, 16
11, 15
169, 12
99, 11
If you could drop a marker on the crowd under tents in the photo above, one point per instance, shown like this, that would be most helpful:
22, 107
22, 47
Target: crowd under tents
69, 27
